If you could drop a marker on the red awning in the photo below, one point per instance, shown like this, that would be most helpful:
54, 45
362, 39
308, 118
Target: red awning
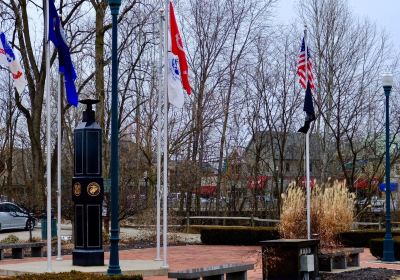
261, 183
362, 184
208, 190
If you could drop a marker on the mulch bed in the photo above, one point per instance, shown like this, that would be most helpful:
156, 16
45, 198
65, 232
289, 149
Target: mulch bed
364, 274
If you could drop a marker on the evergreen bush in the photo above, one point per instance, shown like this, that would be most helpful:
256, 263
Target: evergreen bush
237, 235
376, 247
361, 238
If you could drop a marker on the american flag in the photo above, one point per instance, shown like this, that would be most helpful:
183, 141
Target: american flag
304, 70
304, 62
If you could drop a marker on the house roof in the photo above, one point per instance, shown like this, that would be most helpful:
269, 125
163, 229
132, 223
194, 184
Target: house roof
294, 146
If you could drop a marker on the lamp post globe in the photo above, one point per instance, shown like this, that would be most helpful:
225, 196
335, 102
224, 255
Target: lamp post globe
114, 268
388, 252
387, 80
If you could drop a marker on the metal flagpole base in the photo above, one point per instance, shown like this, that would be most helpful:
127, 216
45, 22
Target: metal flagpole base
59, 259
158, 259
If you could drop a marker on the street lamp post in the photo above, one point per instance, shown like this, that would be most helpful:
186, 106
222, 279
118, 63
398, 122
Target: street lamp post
114, 268
388, 253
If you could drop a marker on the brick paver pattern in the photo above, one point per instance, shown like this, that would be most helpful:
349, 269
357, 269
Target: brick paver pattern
192, 256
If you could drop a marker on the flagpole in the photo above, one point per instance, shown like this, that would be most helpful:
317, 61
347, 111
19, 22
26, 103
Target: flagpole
308, 185
165, 152
159, 128
59, 257
48, 135
307, 146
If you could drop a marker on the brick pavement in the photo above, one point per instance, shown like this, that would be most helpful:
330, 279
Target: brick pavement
367, 260
191, 256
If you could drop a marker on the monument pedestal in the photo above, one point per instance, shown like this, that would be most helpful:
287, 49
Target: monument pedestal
88, 191
290, 259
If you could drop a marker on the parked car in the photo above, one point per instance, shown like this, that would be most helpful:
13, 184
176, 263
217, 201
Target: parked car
376, 205
14, 217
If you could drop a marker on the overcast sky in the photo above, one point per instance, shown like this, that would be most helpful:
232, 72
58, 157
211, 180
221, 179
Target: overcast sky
386, 14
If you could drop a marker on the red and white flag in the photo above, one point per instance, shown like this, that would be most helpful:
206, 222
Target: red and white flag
8, 58
304, 67
177, 65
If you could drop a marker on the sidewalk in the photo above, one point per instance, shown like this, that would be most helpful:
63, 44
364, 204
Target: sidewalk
192, 256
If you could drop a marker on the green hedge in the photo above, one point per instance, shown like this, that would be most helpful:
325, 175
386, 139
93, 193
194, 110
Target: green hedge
376, 247
361, 238
237, 235
73, 275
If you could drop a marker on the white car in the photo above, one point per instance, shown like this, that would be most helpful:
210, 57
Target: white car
14, 217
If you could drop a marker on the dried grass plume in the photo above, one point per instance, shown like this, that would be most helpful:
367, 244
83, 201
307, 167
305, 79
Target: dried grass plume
332, 211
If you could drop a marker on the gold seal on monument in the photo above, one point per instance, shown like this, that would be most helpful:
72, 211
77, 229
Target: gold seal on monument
93, 189
77, 189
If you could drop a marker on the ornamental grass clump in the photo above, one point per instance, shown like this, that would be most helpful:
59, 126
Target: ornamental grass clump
332, 212
293, 213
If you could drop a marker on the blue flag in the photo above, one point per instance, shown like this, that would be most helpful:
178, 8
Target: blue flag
309, 109
56, 35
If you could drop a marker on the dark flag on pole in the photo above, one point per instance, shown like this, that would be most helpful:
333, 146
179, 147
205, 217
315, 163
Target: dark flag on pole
306, 79
56, 35
309, 109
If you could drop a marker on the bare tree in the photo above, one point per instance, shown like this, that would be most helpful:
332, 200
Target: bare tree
349, 55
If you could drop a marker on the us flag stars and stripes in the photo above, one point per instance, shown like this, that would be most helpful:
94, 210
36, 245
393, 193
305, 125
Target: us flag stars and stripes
303, 62
306, 79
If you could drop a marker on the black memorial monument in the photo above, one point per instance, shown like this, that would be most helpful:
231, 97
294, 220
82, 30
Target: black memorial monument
87, 190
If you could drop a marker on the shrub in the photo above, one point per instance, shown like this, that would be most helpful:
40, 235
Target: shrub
361, 238
332, 211
10, 239
35, 239
376, 247
73, 275
237, 235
